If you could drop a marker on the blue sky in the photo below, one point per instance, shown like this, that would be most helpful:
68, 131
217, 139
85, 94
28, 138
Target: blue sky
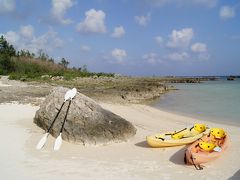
130, 37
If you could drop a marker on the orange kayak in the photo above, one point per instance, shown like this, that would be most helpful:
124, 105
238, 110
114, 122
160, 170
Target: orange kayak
195, 155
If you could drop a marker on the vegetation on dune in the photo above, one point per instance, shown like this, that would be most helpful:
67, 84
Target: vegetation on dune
24, 65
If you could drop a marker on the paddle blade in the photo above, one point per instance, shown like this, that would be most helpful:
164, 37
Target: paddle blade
67, 95
58, 142
73, 93
42, 141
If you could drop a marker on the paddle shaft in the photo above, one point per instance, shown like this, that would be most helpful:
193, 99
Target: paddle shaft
55, 117
169, 134
180, 131
65, 118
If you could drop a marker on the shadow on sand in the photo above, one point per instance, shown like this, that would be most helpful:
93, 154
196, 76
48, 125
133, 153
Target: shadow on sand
178, 157
142, 144
236, 176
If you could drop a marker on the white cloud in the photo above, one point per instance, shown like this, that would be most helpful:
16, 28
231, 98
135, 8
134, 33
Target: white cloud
143, 20
7, 6
94, 22
201, 51
47, 42
179, 56
27, 31
151, 58
227, 12
12, 37
58, 42
84, 48
58, 10
159, 40
118, 32
199, 48
119, 55
180, 39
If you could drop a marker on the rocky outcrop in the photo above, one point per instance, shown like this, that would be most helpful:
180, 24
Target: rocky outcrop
87, 122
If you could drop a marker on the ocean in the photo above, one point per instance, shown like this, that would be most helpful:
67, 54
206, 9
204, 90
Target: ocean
217, 101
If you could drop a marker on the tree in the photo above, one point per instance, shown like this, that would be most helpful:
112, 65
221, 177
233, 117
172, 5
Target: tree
64, 63
42, 55
84, 68
6, 52
6, 48
25, 53
51, 60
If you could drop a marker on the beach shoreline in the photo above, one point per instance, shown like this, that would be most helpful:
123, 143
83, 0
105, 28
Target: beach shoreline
129, 160
133, 159
122, 90
200, 118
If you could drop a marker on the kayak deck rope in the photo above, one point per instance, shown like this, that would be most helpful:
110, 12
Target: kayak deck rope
179, 131
197, 167
170, 134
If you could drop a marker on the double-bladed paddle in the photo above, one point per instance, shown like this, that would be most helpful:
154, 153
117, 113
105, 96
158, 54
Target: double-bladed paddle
58, 141
68, 95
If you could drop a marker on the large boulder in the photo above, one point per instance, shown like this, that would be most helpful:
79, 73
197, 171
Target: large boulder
87, 122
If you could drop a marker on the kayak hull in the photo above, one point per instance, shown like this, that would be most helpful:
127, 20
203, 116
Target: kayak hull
194, 155
155, 142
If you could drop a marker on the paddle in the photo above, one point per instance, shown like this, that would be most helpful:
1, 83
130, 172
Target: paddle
43, 140
58, 141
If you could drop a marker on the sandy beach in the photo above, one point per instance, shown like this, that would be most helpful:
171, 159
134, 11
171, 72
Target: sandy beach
133, 159
128, 160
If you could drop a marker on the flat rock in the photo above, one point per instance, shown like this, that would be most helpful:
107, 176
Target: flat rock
87, 122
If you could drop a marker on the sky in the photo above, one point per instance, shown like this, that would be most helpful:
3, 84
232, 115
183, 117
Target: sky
129, 37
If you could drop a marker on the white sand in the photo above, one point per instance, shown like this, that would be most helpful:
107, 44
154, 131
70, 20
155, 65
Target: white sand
131, 160
4, 85
5, 82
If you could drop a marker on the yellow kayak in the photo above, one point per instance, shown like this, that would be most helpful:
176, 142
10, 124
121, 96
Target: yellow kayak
177, 138
153, 141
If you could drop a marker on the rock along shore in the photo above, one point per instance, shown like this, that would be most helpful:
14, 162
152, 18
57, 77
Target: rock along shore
105, 89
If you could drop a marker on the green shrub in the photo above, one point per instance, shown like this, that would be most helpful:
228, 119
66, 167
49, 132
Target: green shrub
24, 65
16, 76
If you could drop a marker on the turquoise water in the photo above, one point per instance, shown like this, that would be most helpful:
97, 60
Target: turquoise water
212, 100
